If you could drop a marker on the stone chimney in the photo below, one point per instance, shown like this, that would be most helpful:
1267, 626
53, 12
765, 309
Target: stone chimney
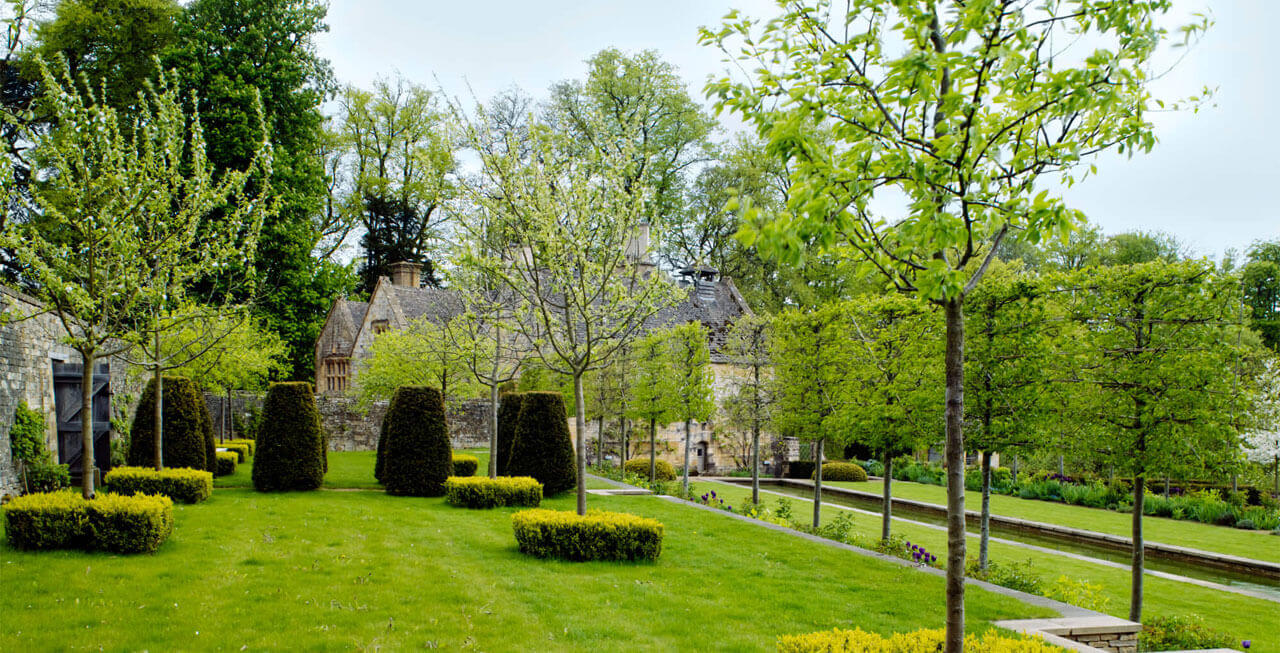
406, 274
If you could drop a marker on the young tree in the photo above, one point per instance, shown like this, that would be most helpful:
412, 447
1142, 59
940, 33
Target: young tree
690, 399
750, 406
426, 353
893, 372
651, 391
125, 198
811, 354
573, 220
918, 134
1159, 336
1263, 440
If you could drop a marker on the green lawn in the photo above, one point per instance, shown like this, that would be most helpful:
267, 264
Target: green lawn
1259, 545
362, 570
1241, 616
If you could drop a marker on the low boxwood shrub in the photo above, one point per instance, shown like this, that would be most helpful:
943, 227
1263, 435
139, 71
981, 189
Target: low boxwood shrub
662, 470
1181, 633
919, 641
240, 450
290, 448
251, 444
226, 462
178, 483
508, 419
465, 465
185, 441
597, 535
111, 522
46, 476
837, 471
542, 448
418, 457
485, 492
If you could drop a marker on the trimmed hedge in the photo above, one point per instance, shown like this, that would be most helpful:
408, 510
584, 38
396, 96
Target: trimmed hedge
838, 471
418, 457
206, 431
177, 483
542, 448
508, 419
65, 520
248, 443
485, 492
290, 445
465, 465
597, 535
380, 460
919, 641
226, 463
185, 420
662, 470
240, 450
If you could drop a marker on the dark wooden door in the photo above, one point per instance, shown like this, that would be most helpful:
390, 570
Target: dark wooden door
66, 395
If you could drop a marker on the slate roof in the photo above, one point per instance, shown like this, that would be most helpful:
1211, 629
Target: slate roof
715, 304
357, 311
434, 302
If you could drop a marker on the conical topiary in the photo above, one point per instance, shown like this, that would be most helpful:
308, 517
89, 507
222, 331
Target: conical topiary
183, 438
418, 458
542, 448
290, 447
508, 417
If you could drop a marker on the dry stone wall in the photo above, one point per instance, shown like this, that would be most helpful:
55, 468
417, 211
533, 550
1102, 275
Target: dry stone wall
351, 428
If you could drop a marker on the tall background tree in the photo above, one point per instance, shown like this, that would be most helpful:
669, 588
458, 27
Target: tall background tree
1260, 276
750, 407
691, 398
650, 395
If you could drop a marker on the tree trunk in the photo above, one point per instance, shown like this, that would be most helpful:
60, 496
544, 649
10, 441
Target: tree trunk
157, 375
653, 449
886, 504
817, 484
580, 420
493, 430
1014, 468
954, 310
228, 428
984, 539
1139, 550
755, 463
687, 437
622, 431
1166, 487
1275, 464
1062, 468
86, 424
600, 441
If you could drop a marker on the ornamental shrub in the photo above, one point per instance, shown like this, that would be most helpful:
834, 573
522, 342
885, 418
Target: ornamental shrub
1181, 633
226, 462
465, 465
290, 447
46, 476
27, 434
800, 469
542, 448
418, 457
485, 492
662, 470
837, 471
241, 441
65, 520
186, 443
177, 483
240, 450
919, 641
508, 418
379, 461
597, 535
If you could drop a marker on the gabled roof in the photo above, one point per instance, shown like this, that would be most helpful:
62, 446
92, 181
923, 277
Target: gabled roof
356, 310
437, 304
714, 304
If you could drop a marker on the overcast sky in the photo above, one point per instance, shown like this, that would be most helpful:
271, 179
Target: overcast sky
1212, 181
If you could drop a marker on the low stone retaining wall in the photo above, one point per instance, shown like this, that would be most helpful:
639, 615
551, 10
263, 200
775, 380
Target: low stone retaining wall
351, 428
1099, 633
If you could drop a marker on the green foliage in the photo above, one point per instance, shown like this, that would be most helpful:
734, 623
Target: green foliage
418, 458
1185, 632
919, 641
811, 353
689, 358
465, 465
508, 420
290, 445
485, 492
1080, 593
597, 535
425, 353
46, 476
178, 483
837, 471
186, 442
240, 449
542, 448
663, 471
64, 520
27, 434
1261, 279
244, 357
1014, 575
226, 462
251, 444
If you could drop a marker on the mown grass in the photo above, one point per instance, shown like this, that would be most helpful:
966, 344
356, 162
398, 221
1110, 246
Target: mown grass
1259, 545
366, 571
1240, 616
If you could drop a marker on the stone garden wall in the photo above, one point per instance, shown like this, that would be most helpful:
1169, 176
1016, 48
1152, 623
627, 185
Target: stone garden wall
352, 429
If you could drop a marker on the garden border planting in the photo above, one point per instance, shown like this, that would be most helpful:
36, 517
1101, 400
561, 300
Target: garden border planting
111, 522
181, 484
485, 492
597, 535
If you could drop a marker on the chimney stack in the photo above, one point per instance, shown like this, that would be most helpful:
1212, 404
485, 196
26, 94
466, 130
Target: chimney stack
406, 273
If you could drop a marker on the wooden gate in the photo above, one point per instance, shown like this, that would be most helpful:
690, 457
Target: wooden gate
66, 395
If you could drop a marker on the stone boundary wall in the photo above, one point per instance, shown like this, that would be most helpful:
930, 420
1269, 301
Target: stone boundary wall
352, 429
241, 403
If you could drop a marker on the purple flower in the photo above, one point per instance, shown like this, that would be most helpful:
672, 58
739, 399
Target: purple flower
713, 494
729, 508
1246, 643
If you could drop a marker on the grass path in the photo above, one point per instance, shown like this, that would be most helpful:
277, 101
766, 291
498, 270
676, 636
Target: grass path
324, 571
1259, 545
1241, 616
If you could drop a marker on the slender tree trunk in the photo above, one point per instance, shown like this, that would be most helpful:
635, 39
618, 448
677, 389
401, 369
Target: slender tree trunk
1062, 467
86, 424
157, 375
653, 449
984, 539
580, 420
817, 484
1139, 549
600, 441
687, 437
1275, 465
622, 433
886, 503
228, 428
755, 463
1014, 468
954, 310
1166, 487
493, 430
